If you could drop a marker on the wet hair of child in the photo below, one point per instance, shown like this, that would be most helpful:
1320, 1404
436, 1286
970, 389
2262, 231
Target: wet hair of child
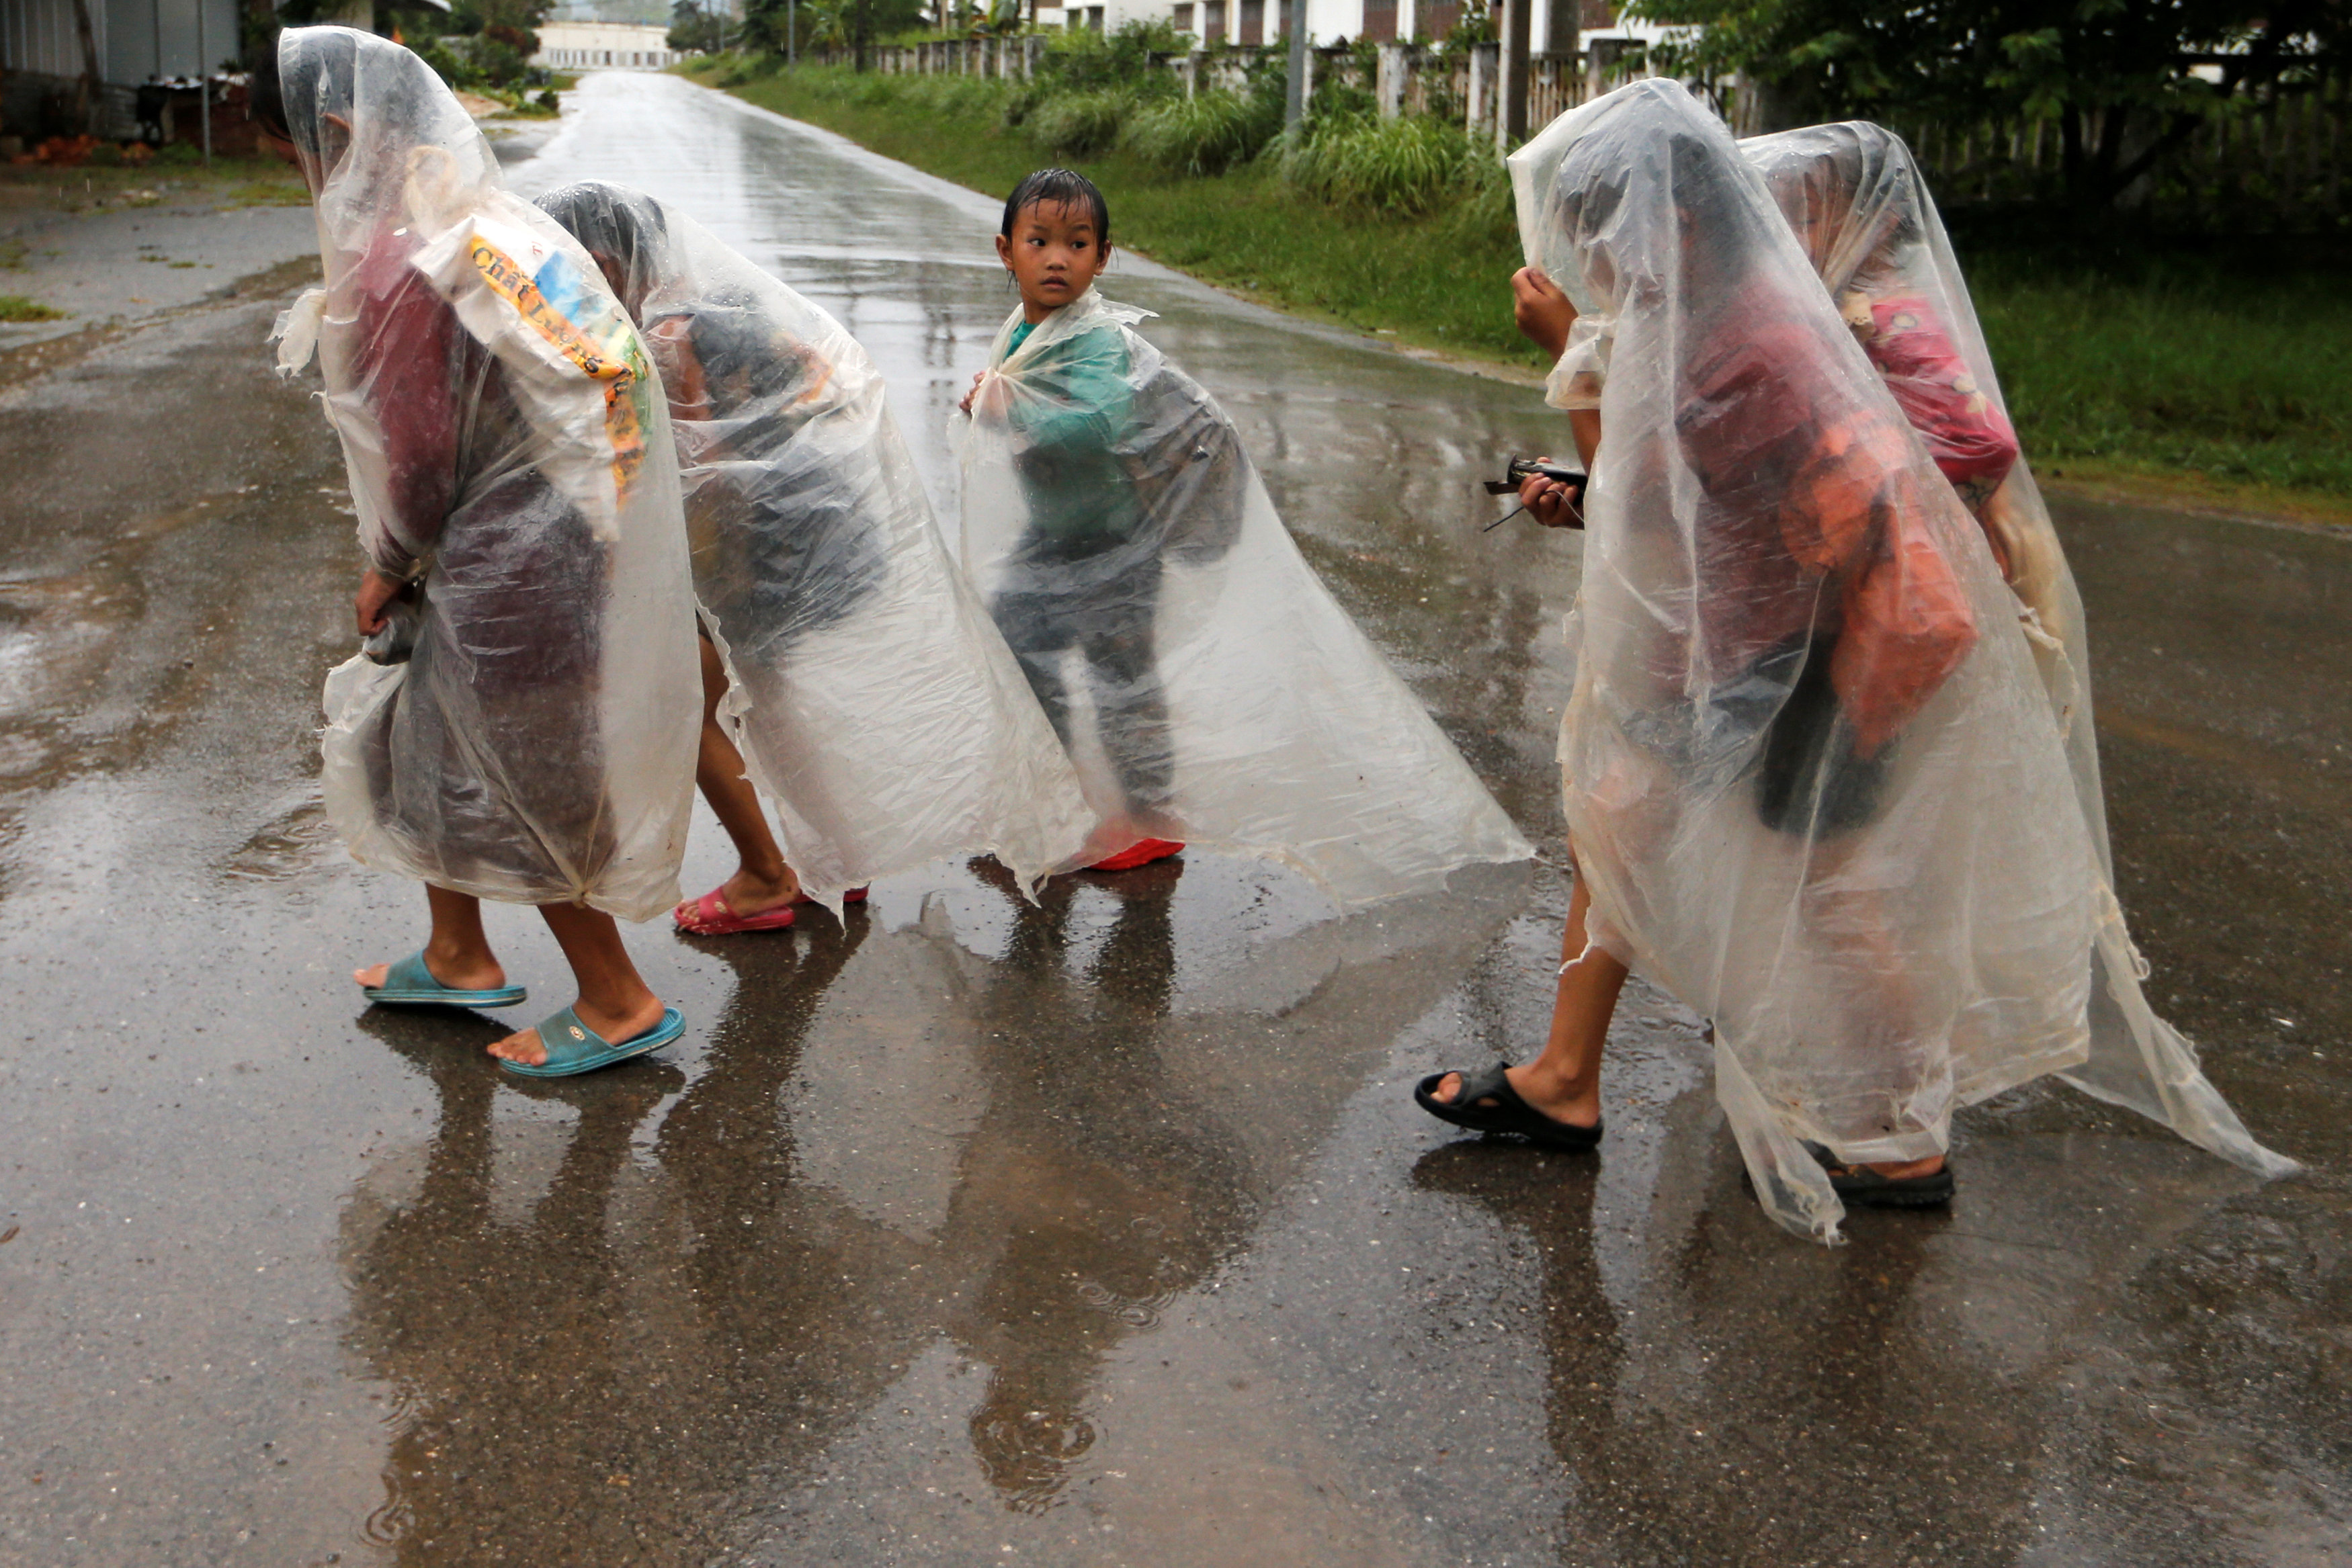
1058, 188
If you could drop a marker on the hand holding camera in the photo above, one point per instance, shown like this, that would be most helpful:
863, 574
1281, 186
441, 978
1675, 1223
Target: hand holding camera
1551, 493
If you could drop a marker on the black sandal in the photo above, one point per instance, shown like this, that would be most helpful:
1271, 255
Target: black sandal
1508, 1113
1861, 1184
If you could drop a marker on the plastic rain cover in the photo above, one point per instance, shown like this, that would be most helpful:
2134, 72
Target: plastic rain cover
1208, 686
502, 427
1863, 217
1811, 778
870, 696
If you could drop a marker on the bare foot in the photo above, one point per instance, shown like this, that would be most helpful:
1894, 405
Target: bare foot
525, 1047
1556, 1099
749, 893
458, 971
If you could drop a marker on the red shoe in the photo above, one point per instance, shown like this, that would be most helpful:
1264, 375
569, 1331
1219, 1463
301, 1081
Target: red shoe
709, 916
1143, 853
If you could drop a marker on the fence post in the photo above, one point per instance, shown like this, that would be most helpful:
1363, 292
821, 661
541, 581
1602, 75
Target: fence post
1482, 77
1296, 88
1389, 83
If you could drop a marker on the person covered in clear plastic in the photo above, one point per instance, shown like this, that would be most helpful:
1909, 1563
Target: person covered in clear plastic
521, 727
871, 697
1812, 788
1086, 577
1856, 200
1207, 686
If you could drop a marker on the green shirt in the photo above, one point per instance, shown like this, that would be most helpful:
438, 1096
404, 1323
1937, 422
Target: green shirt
1067, 435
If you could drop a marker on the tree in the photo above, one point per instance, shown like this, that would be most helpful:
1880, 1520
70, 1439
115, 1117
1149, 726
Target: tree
694, 30
829, 24
482, 16
2127, 81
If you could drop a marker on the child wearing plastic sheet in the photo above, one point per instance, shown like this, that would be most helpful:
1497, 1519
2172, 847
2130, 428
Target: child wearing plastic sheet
1812, 787
1857, 204
520, 726
871, 696
1207, 685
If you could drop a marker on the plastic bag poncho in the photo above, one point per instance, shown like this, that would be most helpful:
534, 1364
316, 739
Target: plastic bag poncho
869, 695
1811, 778
1863, 214
1208, 686
503, 430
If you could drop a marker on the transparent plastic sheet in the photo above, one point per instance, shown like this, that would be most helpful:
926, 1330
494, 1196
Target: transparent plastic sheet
504, 434
1207, 685
870, 695
1812, 779
1854, 197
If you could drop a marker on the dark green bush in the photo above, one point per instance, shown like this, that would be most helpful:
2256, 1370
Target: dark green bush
1408, 166
1080, 124
1206, 134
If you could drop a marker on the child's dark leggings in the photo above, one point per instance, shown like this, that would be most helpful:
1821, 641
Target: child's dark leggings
1110, 625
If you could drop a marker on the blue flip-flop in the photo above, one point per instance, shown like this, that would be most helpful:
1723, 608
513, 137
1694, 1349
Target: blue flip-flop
409, 984
573, 1047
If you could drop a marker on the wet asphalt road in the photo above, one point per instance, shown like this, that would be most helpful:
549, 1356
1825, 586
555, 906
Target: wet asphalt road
1101, 1233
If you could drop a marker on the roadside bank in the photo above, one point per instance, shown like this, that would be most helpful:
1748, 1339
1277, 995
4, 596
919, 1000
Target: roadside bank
93, 250
2147, 377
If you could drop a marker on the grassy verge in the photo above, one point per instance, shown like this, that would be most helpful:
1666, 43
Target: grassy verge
172, 176
2170, 377
1432, 280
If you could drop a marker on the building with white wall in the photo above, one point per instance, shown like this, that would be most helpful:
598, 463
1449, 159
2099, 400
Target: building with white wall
135, 40
603, 46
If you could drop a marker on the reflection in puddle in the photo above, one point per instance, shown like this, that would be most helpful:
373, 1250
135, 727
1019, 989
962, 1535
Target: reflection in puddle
893, 1149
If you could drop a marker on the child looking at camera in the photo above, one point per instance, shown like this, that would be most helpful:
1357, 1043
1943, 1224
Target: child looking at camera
1208, 688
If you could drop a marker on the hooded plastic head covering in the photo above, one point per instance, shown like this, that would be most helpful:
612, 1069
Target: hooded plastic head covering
869, 694
1855, 200
505, 435
1207, 685
1812, 785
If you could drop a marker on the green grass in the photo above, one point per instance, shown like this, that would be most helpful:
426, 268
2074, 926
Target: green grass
17, 308
2177, 365
2168, 369
1433, 279
175, 175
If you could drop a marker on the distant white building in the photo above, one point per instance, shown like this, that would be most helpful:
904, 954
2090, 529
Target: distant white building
603, 46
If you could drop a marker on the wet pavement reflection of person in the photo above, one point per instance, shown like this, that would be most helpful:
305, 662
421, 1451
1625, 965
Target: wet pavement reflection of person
1094, 1189
498, 1334
664, 1343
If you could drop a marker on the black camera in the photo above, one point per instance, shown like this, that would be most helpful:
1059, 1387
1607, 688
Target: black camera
1524, 469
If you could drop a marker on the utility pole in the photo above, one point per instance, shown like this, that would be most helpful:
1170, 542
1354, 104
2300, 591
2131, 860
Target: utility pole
1511, 88
1294, 108
204, 85
792, 32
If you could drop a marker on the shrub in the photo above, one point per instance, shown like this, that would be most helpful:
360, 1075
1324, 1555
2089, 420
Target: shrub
1079, 124
1407, 166
1202, 135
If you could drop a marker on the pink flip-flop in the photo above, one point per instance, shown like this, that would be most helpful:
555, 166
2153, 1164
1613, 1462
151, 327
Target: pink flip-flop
709, 916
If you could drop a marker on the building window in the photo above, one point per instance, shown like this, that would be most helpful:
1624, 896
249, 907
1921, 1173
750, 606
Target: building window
1253, 21
1183, 18
1212, 24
